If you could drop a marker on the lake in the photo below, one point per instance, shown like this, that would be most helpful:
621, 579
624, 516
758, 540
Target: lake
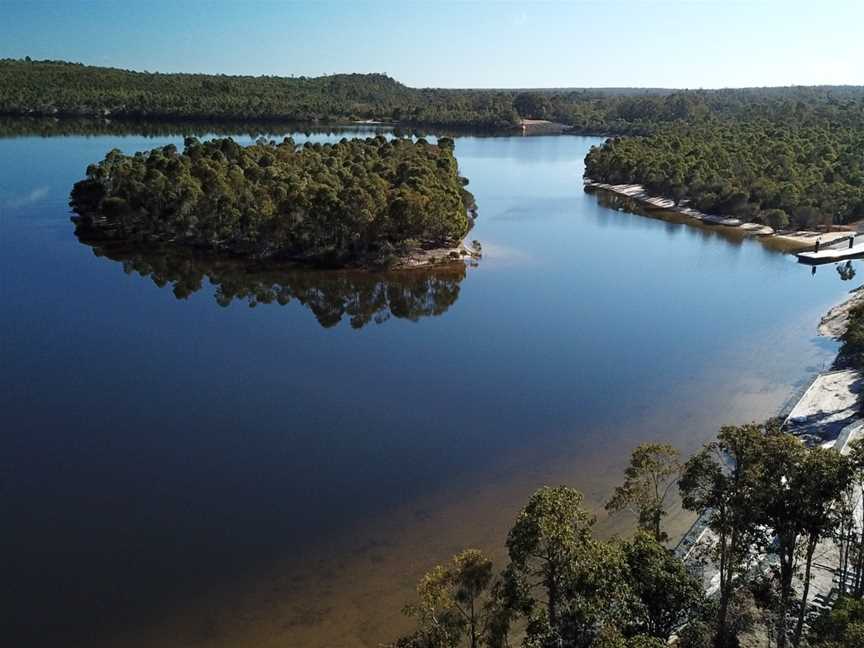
193, 454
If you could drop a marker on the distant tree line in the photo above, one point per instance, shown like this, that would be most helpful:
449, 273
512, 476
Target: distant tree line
357, 201
58, 88
768, 502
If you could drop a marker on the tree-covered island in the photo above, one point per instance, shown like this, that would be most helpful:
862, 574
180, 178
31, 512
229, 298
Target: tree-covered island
357, 202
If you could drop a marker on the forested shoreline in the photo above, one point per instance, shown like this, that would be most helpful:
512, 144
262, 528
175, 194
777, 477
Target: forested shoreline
356, 202
65, 89
768, 501
781, 175
785, 157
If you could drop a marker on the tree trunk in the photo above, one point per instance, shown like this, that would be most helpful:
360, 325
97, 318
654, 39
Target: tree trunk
859, 566
552, 589
845, 544
725, 594
720, 638
786, 572
858, 561
473, 626
799, 627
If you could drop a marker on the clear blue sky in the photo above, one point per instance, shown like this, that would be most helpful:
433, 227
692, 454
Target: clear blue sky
468, 44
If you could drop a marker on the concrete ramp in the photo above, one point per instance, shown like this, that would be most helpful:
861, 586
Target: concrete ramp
827, 408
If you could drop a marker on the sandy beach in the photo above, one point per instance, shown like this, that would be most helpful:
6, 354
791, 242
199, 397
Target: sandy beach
789, 241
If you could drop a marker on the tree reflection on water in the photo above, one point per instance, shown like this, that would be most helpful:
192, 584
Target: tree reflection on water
360, 295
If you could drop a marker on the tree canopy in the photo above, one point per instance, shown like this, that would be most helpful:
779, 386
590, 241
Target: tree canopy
60, 88
356, 201
774, 173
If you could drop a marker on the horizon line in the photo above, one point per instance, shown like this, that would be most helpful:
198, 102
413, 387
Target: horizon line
490, 88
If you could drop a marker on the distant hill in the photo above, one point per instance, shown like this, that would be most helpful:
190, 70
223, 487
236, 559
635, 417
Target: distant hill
59, 88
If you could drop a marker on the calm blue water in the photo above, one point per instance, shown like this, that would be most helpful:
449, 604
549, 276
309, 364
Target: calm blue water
157, 451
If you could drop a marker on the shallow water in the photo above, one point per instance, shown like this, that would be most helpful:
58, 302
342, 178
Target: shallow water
178, 468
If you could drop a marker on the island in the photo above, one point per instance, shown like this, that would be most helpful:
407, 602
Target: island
368, 202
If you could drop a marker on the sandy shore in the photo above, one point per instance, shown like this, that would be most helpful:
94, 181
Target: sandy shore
421, 258
827, 414
835, 321
790, 241
542, 127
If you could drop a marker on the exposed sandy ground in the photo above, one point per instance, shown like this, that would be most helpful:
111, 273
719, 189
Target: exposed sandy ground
827, 414
827, 409
542, 126
808, 239
418, 258
835, 321
789, 241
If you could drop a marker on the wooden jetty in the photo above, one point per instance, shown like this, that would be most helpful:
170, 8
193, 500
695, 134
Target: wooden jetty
832, 254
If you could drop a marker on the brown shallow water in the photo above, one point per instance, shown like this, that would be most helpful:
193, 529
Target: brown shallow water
179, 469
350, 592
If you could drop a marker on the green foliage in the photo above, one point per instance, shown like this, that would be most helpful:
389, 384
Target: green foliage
798, 498
665, 595
721, 482
760, 490
354, 201
531, 105
454, 604
851, 352
807, 175
841, 627
551, 537
562, 586
653, 471
58, 88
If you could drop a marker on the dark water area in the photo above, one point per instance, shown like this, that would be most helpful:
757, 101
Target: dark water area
198, 453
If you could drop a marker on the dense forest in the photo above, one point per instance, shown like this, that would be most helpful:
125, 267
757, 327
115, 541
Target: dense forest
356, 201
769, 501
787, 157
58, 88
777, 174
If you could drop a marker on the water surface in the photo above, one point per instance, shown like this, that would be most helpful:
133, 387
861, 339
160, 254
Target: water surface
177, 468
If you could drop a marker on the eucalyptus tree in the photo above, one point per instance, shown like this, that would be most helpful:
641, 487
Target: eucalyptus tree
781, 502
551, 537
856, 464
665, 596
454, 603
721, 482
826, 474
653, 471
